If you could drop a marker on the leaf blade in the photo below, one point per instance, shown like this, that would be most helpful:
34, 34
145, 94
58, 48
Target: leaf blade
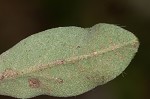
67, 61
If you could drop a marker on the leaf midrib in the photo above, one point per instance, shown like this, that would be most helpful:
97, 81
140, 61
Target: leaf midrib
70, 60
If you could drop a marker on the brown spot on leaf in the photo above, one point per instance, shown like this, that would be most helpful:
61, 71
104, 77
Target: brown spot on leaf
1, 77
59, 80
8, 73
59, 62
34, 83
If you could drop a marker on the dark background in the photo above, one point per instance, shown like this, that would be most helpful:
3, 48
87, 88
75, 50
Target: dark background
21, 18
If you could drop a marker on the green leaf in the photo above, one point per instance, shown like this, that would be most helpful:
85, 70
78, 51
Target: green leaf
66, 61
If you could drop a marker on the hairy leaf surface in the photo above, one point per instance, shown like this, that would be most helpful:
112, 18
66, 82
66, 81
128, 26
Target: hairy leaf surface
66, 61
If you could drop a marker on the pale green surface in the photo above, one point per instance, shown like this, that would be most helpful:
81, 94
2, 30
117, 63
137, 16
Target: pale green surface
92, 57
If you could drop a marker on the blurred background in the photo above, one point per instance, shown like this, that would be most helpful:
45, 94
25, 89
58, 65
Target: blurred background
21, 18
